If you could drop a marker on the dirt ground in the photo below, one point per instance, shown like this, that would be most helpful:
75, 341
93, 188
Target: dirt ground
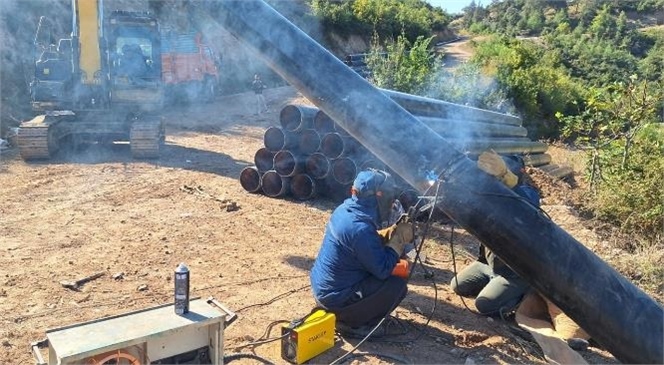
457, 52
97, 210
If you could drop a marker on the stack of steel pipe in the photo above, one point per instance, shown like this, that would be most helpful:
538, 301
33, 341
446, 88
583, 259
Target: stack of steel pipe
309, 155
293, 163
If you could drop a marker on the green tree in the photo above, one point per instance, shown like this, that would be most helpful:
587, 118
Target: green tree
532, 77
603, 26
613, 113
403, 66
651, 66
621, 26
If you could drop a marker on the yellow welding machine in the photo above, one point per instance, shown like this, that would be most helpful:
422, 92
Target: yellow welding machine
307, 338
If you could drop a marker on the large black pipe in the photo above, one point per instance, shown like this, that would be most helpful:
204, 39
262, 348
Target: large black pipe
250, 179
614, 312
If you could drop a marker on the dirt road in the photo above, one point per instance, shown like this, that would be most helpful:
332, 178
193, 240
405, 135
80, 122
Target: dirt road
97, 210
456, 53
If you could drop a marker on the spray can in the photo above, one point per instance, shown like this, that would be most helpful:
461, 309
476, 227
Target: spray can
181, 289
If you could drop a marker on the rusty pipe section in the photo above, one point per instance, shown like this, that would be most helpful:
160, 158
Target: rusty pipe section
318, 166
250, 179
613, 311
502, 146
323, 123
304, 187
538, 159
336, 145
296, 118
287, 163
559, 172
275, 185
344, 170
276, 139
264, 159
309, 141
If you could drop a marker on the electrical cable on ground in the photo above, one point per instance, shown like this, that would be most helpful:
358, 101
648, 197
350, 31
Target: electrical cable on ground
243, 355
454, 272
398, 359
264, 338
280, 296
417, 259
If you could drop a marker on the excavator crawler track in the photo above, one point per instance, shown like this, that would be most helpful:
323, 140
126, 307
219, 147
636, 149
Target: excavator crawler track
37, 139
146, 138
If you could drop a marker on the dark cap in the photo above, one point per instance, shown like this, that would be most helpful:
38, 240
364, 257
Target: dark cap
372, 181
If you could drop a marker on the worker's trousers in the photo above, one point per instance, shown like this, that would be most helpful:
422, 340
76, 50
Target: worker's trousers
495, 294
374, 300
261, 106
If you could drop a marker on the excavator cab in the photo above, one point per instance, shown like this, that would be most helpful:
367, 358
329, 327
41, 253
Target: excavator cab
53, 70
134, 50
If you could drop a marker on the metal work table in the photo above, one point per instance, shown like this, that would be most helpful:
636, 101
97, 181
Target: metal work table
155, 333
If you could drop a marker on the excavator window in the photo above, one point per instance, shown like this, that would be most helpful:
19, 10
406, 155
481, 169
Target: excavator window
134, 57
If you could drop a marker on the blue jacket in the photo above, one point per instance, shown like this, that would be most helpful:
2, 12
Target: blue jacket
351, 251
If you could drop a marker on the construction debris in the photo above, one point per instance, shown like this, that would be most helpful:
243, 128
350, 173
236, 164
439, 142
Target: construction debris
76, 285
227, 204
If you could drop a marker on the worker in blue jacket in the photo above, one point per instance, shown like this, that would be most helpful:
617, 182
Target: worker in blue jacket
351, 276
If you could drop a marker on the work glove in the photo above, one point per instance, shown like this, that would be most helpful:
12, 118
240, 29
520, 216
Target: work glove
386, 233
400, 234
493, 164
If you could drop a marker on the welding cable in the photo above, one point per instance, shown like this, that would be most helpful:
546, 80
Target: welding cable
398, 359
265, 337
244, 355
278, 297
454, 268
418, 258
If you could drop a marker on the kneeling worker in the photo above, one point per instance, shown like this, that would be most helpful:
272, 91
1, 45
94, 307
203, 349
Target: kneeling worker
496, 288
352, 275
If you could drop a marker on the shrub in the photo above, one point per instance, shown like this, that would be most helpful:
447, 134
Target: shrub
631, 196
618, 125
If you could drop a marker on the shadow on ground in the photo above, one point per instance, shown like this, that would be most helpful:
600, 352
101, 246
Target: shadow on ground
172, 155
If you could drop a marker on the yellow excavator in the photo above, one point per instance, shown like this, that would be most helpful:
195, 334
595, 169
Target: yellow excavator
102, 84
